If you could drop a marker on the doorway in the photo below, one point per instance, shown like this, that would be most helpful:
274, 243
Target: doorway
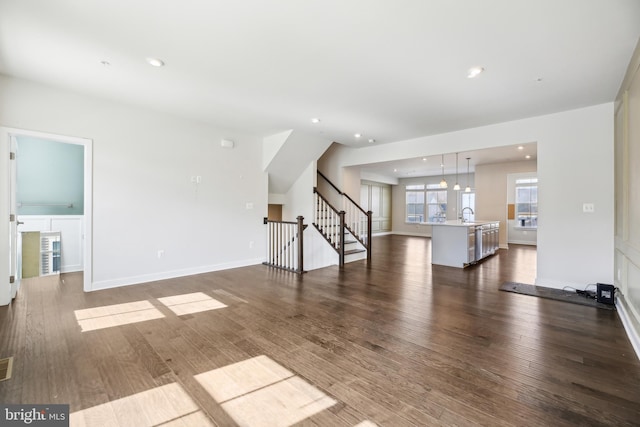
9, 143
274, 212
522, 208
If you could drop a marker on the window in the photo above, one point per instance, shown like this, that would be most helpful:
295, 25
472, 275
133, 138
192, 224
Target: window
415, 203
437, 203
430, 200
468, 200
527, 202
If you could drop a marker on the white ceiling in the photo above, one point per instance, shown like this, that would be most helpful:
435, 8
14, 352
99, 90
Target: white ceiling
431, 165
390, 70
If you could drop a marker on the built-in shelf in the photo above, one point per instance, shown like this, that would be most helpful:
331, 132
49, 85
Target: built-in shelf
49, 253
41, 253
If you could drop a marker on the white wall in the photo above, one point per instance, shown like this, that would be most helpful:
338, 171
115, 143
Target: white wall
289, 153
574, 249
330, 168
144, 200
299, 200
351, 183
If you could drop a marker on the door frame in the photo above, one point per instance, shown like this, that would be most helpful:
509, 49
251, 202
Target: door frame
6, 134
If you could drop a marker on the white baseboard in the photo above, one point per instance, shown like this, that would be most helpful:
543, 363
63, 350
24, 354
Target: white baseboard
407, 233
71, 268
558, 284
625, 317
145, 278
523, 242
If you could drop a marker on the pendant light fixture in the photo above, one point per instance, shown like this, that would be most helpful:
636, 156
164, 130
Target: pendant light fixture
457, 186
467, 188
443, 183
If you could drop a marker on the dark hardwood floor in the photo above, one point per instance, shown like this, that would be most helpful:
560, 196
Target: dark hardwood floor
397, 343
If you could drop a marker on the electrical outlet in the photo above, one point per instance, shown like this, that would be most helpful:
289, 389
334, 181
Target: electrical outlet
160, 253
251, 243
249, 205
588, 208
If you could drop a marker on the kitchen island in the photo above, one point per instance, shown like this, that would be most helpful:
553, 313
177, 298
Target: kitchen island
459, 244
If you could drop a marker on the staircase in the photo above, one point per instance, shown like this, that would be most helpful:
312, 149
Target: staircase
347, 229
353, 249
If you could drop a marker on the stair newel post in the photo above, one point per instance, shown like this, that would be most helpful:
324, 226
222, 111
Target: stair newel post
300, 268
341, 239
369, 215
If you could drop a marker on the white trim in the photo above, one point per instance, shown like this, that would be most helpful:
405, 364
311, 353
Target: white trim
88, 190
523, 242
558, 284
382, 233
5, 211
408, 233
632, 333
48, 136
146, 278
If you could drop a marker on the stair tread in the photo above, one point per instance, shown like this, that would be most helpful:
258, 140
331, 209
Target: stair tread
353, 251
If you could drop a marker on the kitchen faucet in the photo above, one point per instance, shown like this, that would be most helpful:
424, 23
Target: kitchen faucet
462, 213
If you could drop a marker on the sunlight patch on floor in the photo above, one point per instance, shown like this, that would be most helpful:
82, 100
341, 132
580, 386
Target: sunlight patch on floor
168, 405
191, 303
259, 392
108, 316
229, 295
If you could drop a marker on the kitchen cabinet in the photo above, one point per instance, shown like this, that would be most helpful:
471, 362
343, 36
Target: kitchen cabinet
487, 239
459, 244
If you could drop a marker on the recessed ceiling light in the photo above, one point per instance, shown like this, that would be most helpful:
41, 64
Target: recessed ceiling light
527, 156
315, 120
371, 140
357, 135
395, 170
521, 148
155, 62
424, 159
474, 72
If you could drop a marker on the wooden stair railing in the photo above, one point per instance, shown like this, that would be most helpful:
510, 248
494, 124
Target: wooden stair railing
330, 223
356, 219
285, 249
